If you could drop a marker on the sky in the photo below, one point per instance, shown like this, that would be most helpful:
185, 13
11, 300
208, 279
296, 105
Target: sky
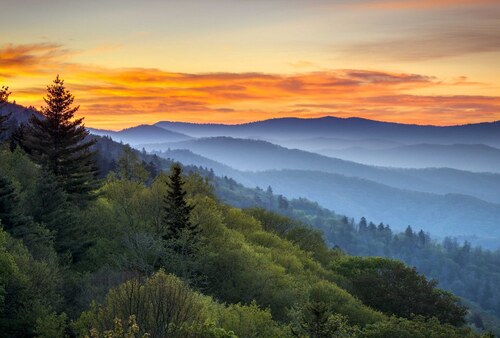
131, 62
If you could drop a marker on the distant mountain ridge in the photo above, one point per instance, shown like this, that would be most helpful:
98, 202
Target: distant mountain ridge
440, 214
142, 134
254, 155
351, 128
472, 157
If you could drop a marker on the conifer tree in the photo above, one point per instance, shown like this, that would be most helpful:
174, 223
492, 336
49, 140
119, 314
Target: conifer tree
4, 96
177, 211
49, 206
9, 201
59, 142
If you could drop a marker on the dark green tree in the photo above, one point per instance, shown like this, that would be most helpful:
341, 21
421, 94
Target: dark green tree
395, 289
9, 204
177, 211
59, 142
50, 207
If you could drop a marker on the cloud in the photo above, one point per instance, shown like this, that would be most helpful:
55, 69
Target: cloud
421, 46
30, 59
122, 97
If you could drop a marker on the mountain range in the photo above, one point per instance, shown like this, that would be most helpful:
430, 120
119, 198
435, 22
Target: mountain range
417, 184
487, 133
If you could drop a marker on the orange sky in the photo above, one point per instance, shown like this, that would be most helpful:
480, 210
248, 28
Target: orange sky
426, 62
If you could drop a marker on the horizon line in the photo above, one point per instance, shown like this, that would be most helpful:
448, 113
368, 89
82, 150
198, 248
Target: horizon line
297, 118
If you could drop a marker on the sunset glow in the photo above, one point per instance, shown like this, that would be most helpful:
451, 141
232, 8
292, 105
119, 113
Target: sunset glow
424, 62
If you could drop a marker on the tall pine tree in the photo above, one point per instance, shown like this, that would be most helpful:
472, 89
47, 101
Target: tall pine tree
177, 211
59, 142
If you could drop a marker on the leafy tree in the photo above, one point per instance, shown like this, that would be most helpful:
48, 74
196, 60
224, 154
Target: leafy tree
52, 326
29, 288
317, 321
59, 142
393, 288
118, 330
163, 305
418, 327
129, 166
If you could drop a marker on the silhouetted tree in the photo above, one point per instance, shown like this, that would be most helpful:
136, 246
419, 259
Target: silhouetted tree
17, 137
4, 97
60, 143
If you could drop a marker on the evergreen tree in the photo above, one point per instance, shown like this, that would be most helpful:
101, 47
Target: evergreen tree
59, 142
177, 211
362, 226
4, 96
17, 137
49, 206
9, 204
181, 238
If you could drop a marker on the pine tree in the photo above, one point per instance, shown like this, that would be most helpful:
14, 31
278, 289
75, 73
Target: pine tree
49, 206
4, 97
59, 142
9, 204
177, 211
17, 137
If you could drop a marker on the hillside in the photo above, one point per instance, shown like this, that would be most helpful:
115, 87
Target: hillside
252, 155
20, 114
246, 268
441, 215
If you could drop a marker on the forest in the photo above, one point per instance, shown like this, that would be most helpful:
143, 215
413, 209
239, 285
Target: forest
100, 240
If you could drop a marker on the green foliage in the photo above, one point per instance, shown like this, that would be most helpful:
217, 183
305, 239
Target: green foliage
52, 326
129, 166
395, 289
9, 204
118, 331
249, 321
463, 270
418, 327
165, 306
257, 274
29, 288
59, 143
50, 206
315, 320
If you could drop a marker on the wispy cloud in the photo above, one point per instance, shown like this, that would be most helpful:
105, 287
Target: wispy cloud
123, 97
30, 59
438, 43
